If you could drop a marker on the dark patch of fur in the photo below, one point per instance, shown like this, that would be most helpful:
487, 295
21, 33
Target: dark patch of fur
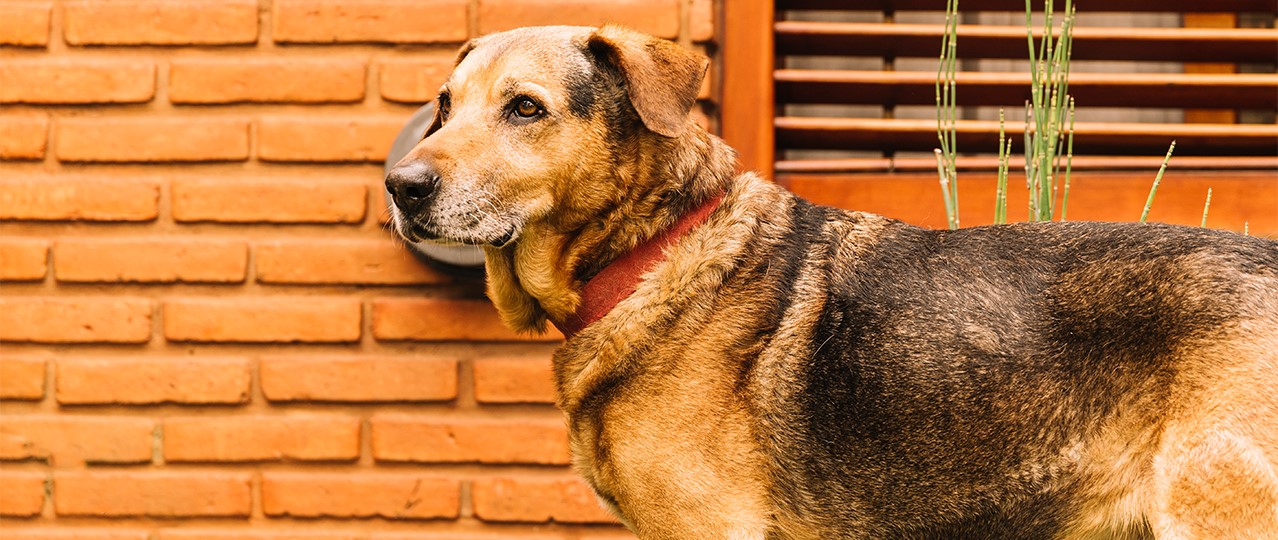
582, 88
784, 263
937, 349
773, 273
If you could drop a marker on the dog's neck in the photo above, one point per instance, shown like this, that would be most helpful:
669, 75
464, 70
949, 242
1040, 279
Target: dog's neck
543, 275
621, 277
659, 184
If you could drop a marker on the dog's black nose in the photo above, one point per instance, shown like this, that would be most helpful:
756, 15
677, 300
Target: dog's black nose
412, 185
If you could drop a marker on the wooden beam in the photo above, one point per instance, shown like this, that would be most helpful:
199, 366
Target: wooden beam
1198, 44
1093, 138
987, 162
747, 101
1201, 91
1184, 6
1237, 197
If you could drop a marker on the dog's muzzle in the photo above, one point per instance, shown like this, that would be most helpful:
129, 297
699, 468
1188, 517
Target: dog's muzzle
412, 186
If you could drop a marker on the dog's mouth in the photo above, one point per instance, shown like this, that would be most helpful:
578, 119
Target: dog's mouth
413, 230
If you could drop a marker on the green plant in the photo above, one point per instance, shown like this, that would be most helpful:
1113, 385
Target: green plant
1048, 142
947, 115
1049, 121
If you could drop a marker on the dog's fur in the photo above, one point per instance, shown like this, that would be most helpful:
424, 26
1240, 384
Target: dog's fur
798, 371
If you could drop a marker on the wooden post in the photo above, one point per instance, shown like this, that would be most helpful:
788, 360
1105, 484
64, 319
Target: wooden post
747, 104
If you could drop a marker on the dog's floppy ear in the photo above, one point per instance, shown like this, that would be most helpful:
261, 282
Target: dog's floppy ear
661, 77
438, 119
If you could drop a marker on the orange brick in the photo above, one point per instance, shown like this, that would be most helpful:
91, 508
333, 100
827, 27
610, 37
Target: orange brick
238, 80
132, 381
314, 138
262, 438
23, 136
439, 319
62, 198
657, 17
21, 378
75, 320
514, 380
364, 262
432, 440
154, 494
160, 22
23, 259
701, 20
77, 81
25, 24
163, 260
388, 495
152, 139
65, 532
414, 80
66, 439
269, 319
382, 21
269, 201
245, 534
358, 378
703, 93
23, 494
537, 499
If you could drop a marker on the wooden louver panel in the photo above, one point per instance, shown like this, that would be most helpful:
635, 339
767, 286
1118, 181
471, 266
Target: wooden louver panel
890, 134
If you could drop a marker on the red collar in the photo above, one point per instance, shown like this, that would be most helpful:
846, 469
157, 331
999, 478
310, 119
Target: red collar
621, 277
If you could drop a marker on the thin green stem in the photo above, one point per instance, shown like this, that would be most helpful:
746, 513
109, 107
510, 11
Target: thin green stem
947, 114
1004, 152
1157, 179
950, 211
1069, 159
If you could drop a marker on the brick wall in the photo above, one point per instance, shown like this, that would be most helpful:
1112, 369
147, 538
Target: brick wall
205, 330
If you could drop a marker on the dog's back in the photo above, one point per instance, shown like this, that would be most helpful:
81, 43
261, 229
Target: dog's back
1022, 380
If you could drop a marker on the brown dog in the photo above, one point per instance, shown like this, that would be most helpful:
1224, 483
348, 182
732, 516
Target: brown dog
743, 364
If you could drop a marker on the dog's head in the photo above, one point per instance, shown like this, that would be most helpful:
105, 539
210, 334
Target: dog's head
532, 127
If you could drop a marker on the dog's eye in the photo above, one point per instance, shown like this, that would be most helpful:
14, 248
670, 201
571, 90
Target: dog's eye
526, 108
444, 102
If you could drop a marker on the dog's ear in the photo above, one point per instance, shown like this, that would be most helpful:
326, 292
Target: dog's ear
438, 119
661, 78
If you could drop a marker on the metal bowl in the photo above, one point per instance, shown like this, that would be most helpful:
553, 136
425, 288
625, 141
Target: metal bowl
453, 259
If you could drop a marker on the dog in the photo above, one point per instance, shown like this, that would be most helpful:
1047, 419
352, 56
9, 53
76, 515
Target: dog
743, 364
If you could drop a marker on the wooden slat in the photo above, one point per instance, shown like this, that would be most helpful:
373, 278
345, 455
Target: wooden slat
747, 102
1237, 197
981, 41
895, 135
1176, 90
989, 163
1138, 6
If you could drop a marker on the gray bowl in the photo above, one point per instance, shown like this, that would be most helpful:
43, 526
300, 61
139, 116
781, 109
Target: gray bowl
458, 260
